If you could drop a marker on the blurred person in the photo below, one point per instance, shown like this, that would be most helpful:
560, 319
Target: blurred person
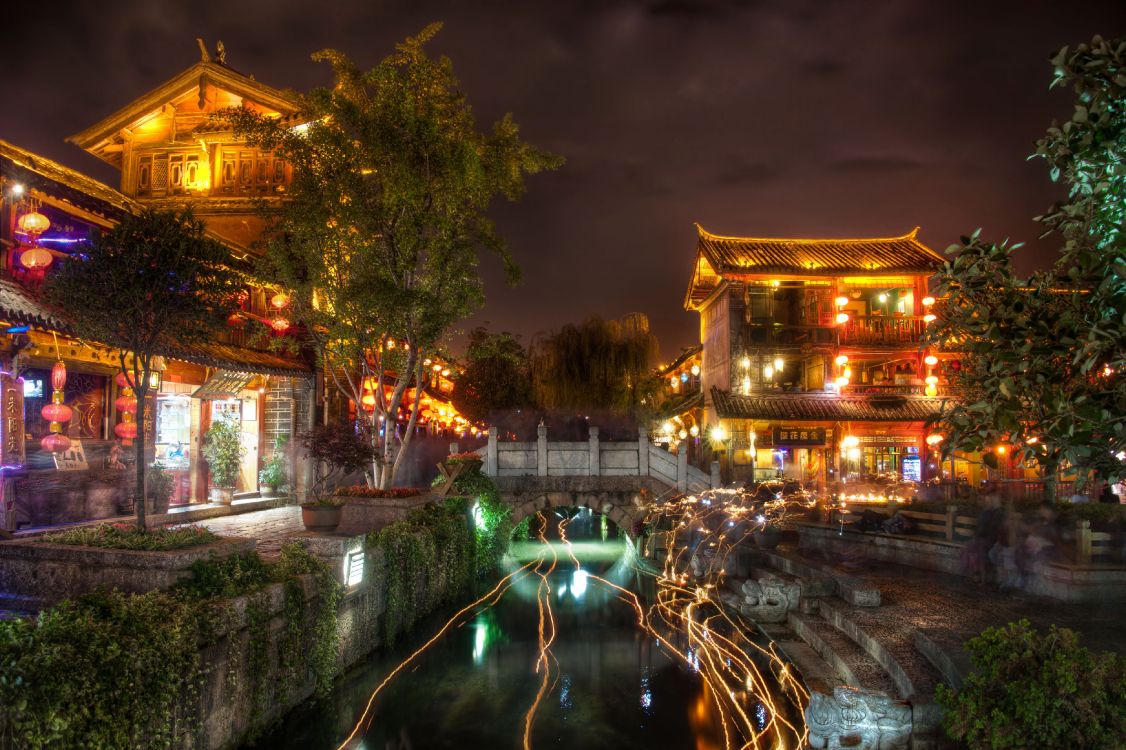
977, 554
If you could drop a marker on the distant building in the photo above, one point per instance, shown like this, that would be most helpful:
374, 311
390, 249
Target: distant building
812, 365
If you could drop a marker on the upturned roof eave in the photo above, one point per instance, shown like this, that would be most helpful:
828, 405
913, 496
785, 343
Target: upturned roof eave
216, 73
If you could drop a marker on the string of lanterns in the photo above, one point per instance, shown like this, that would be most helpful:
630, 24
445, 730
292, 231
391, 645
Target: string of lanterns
56, 412
33, 224
126, 403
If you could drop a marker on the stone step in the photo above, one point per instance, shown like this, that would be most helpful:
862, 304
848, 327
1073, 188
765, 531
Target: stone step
945, 653
850, 662
824, 579
890, 640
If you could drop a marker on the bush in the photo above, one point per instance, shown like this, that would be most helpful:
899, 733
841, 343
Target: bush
125, 536
115, 670
272, 473
1035, 690
362, 491
222, 448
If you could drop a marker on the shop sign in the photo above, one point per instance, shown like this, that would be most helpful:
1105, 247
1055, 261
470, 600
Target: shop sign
11, 421
912, 469
73, 458
798, 436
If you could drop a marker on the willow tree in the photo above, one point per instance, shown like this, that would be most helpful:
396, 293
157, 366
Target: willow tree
150, 285
380, 235
596, 365
1045, 355
494, 379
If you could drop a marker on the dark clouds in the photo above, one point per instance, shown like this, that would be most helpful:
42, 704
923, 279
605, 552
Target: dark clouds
802, 117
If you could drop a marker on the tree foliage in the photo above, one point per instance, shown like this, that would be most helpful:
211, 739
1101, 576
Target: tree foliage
1031, 689
151, 284
494, 378
1045, 356
380, 235
596, 365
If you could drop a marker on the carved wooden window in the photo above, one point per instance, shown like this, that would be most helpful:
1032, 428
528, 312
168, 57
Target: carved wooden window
159, 175
144, 175
176, 173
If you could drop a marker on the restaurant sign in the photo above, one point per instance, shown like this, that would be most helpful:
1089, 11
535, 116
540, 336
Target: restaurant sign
799, 436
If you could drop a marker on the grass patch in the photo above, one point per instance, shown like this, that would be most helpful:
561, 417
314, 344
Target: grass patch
126, 536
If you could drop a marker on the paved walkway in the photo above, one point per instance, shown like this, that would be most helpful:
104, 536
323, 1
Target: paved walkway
271, 528
959, 609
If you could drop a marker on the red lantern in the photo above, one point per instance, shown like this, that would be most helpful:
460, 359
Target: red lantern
36, 257
281, 325
55, 443
123, 380
127, 404
56, 413
126, 431
279, 300
58, 375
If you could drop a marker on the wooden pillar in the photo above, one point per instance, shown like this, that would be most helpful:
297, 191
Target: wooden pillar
951, 514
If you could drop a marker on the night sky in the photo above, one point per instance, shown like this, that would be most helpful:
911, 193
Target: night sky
811, 118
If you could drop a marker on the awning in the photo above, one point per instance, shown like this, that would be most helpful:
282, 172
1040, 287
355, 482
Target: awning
17, 305
224, 384
809, 407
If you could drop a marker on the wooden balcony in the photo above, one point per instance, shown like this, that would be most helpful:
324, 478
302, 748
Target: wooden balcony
776, 335
878, 330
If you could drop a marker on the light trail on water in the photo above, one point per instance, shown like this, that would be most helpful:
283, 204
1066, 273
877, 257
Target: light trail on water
688, 620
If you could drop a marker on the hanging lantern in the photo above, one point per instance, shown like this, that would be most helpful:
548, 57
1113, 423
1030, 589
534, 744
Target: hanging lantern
55, 442
928, 301
281, 325
56, 412
841, 301
930, 360
929, 318
368, 401
935, 438
33, 223
842, 317
931, 391
126, 403
36, 257
126, 430
279, 300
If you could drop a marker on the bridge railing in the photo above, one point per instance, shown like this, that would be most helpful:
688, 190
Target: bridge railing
592, 458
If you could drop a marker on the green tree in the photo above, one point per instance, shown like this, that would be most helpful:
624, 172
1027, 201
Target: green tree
1031, 689
152, 283
380, 235
494, 378
596, 365
1045, 356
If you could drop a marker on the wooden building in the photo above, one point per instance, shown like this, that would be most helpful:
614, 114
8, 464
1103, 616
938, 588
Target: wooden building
171, 154
812, 362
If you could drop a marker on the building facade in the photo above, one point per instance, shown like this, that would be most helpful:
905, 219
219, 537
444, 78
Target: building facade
812, 366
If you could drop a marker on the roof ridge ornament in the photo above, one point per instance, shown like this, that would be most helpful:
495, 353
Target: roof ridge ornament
204, 55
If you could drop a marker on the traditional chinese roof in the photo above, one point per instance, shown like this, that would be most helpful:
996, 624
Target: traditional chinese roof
17, 305
42, 174
810, 407
718, 257
685, 354
97, 139
688, 403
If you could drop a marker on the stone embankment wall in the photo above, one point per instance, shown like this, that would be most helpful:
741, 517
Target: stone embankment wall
239, 699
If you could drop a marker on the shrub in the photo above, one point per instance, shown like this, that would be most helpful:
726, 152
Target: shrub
362, 491
273, 471
222, 447
125, 536
124, 670
1031, 689
340, 447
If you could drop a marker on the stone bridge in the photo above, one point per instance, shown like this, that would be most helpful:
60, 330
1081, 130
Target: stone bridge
615, 478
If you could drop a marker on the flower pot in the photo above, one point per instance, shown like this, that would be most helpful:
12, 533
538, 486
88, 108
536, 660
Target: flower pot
768, 537
321, 517
221, 495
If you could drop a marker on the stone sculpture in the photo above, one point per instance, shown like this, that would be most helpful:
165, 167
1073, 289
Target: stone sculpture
769, 599
857, 719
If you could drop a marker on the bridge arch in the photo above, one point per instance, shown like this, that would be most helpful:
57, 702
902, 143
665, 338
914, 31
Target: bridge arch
623, 508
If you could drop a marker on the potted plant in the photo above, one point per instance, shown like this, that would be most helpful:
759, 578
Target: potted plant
272, 476
222, 447
337, 450
160, 487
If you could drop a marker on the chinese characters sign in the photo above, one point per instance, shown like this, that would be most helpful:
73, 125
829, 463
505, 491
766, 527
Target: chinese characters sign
799, 436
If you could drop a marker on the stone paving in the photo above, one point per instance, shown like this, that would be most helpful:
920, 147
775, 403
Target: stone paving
960, 609
270, 527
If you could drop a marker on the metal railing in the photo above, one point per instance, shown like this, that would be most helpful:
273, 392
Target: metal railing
881, 330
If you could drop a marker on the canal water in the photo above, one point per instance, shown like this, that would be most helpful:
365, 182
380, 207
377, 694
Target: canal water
611, 685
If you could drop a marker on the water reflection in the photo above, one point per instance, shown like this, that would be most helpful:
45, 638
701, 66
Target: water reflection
558, 661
